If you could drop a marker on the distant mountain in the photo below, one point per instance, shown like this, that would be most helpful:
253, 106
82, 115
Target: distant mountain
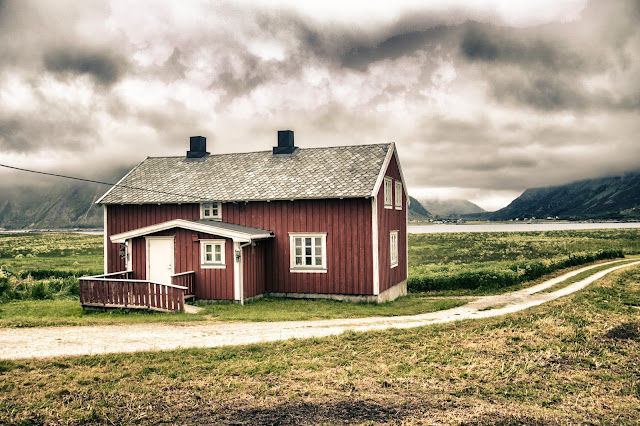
451, 208
417, 210
62, 206
57, 204
604, 198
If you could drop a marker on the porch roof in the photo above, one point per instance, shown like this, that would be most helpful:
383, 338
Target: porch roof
239, 233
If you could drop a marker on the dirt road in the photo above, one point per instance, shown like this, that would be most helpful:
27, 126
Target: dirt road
59, 341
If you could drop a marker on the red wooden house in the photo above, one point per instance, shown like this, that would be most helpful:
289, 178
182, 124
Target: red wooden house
292, 222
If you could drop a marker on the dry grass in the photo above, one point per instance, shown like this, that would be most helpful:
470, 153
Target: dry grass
571, 361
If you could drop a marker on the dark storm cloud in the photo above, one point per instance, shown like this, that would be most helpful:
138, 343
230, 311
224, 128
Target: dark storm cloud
104, 66
360, 57
24, 134
546, 93
548, 67
485, 42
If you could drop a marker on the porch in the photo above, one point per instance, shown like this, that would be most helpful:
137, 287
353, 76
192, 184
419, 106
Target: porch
119, 290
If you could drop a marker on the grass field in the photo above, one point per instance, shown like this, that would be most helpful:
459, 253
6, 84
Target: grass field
570, 361
483, 263
42, 313
38, 276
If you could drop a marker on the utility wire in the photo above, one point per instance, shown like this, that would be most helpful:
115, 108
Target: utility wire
99, 182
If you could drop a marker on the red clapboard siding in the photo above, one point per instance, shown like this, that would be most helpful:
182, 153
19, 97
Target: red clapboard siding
123, 218
346, 257
391, 220
253, 268
208, 283
349, 248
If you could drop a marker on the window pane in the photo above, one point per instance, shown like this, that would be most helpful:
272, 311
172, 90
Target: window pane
298, 251
218, 257
208, 248
318, 251
298, 242
307, 261
319, 261
298, 260
307, 251
208, 257
318, 242
307, 242
218, 248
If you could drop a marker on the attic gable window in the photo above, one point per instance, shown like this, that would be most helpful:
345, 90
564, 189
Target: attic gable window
398, 195
211, 210
308, 252
388, 196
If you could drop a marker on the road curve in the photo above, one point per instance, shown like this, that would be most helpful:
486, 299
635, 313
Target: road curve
42, 342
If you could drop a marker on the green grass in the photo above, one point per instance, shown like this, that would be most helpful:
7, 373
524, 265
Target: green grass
41, 313
470, 247
570, 361
68, 312
51, 251
271, 309
491, 261
581, 276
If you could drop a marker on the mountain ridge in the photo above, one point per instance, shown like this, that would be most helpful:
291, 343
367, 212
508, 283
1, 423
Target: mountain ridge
613, 197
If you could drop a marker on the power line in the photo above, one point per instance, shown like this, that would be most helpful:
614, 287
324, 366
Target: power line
99, 182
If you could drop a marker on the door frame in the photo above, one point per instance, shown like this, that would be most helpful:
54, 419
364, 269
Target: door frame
173, 250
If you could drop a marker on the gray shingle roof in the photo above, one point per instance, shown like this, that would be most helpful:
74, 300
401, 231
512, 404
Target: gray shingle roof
345, 171
232, 227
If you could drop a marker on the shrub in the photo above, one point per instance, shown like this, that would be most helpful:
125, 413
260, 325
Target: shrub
40, 291
487, 275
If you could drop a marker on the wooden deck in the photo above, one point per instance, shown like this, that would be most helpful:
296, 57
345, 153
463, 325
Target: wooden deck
118, 290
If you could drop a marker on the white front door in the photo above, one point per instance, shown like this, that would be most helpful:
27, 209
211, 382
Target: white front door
160, 259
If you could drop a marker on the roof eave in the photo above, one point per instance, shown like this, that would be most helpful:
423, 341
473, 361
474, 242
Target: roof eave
99, 201
192, 226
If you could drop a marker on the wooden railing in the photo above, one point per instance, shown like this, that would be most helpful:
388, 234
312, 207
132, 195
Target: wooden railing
118, 290
185, 279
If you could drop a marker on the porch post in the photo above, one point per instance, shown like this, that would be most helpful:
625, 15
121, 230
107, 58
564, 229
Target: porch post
237, 273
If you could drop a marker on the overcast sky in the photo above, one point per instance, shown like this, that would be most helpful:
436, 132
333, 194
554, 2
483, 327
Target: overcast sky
483, 99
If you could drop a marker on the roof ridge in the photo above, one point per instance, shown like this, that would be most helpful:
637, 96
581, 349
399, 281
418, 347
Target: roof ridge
269, 151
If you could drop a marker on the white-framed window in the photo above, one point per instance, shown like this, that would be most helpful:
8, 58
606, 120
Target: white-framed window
393, 248
212, 254
308, 252
211, 210
398, 195
388, 196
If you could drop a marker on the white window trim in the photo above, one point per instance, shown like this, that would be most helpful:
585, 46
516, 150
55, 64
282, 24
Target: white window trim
388, 193
212, 265
392, 249
398, 195
216, 217
292, 253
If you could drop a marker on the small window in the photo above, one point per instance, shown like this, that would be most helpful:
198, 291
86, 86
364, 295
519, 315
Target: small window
212, 210
398, 195
388, 200
212, 254
393, 245
308, 252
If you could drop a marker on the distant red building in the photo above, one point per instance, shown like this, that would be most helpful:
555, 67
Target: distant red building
292, 222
